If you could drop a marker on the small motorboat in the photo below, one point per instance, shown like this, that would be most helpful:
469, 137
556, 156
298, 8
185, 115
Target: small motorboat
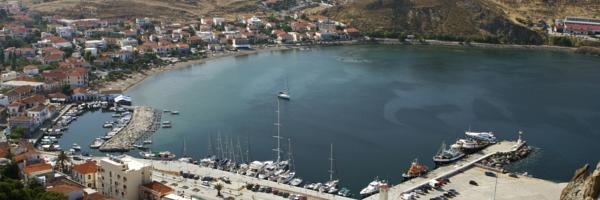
284, 94
174, 112
76, 147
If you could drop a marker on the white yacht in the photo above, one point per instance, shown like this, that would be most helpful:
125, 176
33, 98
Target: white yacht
296, 181
284, 94
372, 188
486, 136
76, 147
97, 143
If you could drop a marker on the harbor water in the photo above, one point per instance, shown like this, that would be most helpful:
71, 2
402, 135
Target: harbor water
381, 106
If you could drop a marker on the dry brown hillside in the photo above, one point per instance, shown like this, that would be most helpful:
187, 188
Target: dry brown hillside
467, 18
172, 9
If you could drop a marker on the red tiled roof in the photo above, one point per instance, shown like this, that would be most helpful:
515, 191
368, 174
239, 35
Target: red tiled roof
86, 168
158, 187
64, 188
36, 168
23, 89
96, 196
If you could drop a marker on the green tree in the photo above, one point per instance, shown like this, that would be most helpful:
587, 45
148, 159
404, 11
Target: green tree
219, 187
62, 159
10, 170
17, 133
66, 89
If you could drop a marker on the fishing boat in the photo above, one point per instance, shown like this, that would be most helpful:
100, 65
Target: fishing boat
470, 145
76, 147
485, 136
116, 115
416, 169
148, 141
174, 112
372, 188
445, 156
97, 143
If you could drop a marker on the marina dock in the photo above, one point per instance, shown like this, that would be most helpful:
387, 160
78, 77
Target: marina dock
142, 122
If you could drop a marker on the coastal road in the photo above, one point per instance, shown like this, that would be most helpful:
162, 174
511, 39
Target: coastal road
238, 180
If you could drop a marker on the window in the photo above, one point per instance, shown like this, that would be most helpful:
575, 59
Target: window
122, 194
118, 176
89, 176
125, 187
89, 185
124, 179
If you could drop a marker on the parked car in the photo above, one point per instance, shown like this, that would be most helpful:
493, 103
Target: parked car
472, 182
490, 174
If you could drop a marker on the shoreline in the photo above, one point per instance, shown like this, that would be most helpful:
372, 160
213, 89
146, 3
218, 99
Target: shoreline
123, 85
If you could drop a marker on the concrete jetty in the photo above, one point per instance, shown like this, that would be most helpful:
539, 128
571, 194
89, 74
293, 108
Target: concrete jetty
142, 121
450, 171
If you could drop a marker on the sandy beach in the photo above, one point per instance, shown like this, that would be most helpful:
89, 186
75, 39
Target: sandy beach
133, 79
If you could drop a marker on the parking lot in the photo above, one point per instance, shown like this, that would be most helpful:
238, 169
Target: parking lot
474, 183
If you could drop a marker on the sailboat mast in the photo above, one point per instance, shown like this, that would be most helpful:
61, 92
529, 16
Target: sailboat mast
331, 163
278, 137
290, 159
184, 153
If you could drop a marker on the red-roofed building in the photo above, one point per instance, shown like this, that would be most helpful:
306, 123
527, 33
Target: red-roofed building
86, 174
37, 170
154, 191
70, 191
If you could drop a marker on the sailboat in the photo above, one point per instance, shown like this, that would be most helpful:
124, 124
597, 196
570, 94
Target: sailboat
184, 156
331, 185
284, 94
289, 174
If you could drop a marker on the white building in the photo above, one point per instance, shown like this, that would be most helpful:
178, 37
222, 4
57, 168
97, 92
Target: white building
218, 20
65, 31
93, 51
4, 100
8, 76
128, 42
121, 176
100, 44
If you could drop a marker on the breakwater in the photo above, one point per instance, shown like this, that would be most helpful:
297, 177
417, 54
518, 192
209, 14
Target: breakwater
142, 122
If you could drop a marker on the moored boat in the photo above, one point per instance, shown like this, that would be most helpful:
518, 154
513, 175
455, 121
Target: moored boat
485, 136
284, 94
372, 188
470, 145
97, 143
445, 156
416, 169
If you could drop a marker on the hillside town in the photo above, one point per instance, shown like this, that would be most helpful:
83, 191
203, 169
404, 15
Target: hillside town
50, 63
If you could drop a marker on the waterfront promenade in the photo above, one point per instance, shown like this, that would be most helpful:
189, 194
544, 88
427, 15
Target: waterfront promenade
141, 122
238, 181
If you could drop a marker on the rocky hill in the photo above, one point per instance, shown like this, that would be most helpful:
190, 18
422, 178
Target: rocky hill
466, 18
584, 185
168, 9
